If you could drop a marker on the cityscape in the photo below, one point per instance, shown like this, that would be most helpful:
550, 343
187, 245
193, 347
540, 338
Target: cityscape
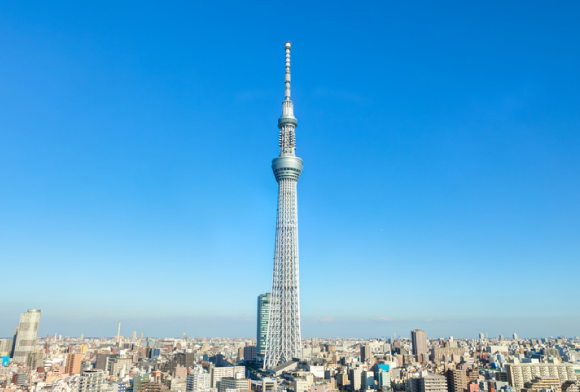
375, 320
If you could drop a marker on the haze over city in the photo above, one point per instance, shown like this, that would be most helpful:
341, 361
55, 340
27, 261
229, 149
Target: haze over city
440, 183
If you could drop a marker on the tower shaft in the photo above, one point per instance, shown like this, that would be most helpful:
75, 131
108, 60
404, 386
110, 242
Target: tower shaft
283, 340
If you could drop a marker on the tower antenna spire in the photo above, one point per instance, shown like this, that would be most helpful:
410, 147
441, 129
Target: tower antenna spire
283, 339
287, 45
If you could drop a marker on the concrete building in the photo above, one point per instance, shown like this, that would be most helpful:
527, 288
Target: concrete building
367, 380
250, 353
263, 318
383, 379
233, 383
419, 339
521, 373
430, 383
365, 353
91, 381
300, 385
34, 360
355, 378
25, 340
73, 364
456, 380
217, 373
197, 381
543, 383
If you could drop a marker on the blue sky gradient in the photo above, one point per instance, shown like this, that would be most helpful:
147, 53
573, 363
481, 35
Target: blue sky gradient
440, 189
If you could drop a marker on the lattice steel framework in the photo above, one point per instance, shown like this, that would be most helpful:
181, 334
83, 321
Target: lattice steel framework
283, 341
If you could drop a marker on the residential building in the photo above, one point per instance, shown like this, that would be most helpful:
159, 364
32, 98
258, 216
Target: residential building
263, 319
73, 364
91, 381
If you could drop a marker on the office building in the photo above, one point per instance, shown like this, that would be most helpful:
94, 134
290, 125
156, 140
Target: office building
383, 379
250, 353
263, 318
355, 378
25, 340
300, 385
283, 342
234, 383
367, 380
419, 339
217, 373
365, 353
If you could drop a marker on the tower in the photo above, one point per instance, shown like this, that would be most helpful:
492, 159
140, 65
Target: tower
283, 341
419, 339
25, 337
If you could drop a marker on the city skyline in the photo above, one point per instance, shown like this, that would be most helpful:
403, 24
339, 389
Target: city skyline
453, 130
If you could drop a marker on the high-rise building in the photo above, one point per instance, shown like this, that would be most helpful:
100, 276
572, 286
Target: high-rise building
25, 340
263, 318
456, 380
284, 338
197, 380
367, 380
73, 364
91, 381
355, 378
141, 335
134, 335
419, 339
365, 353
250, 353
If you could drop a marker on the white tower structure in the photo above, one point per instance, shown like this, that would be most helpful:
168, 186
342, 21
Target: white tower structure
283, 341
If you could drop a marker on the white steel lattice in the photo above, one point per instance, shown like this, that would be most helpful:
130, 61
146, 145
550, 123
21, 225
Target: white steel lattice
283, 341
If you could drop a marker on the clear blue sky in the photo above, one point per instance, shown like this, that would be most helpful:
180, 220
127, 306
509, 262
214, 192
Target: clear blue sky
441, 183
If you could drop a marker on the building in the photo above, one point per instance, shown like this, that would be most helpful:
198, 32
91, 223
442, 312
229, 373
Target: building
283, 342
138, 381
365, 353
25, 340
300, 385
262, 327
355, 379
197, 380
419, 339
73, 364
367, 380
521, 373
217, 373
34, 360
233, 383
456, 380
91, 381
250, 353
383, 379
542, 383
431, 383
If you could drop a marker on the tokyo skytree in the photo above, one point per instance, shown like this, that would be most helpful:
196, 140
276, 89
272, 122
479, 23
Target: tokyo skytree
283, 341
